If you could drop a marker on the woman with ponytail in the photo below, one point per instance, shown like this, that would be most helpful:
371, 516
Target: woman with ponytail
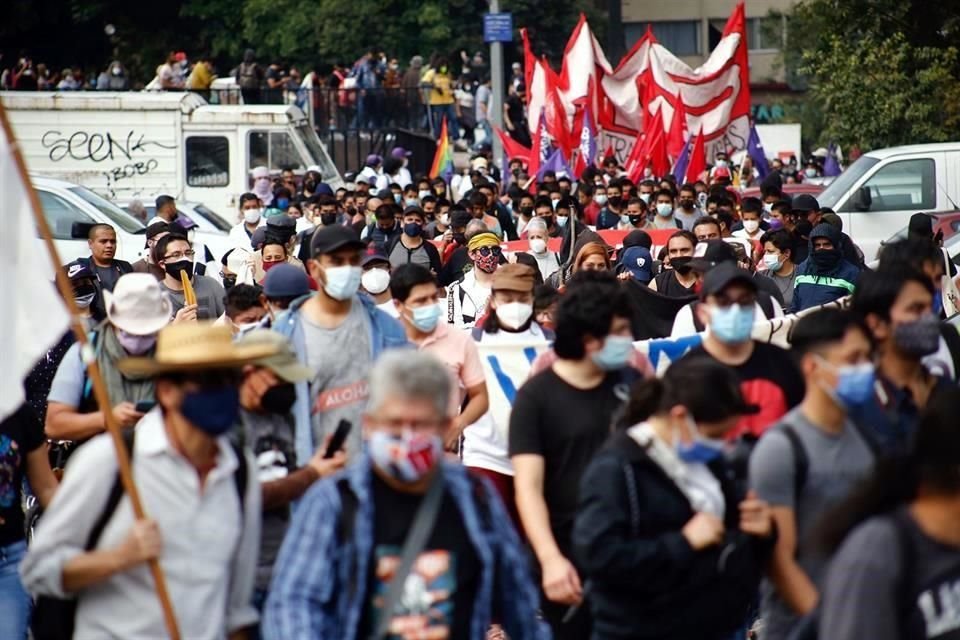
669, 549
896, 575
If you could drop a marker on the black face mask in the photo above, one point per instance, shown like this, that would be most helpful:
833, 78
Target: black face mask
681, 264
279, 399
635, 220
310, 186
615, 201
825, 259
229, 281
527, 211
460, 238
686, 205
84, 290
328, 219
173, 269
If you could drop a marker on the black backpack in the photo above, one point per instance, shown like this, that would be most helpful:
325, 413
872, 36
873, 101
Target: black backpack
54, 618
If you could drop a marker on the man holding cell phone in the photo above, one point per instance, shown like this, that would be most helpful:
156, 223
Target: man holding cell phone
136, 311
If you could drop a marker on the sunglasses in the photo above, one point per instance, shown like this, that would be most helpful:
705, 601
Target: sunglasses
490, 251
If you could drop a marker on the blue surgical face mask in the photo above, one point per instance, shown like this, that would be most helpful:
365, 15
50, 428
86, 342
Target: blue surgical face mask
733, 324
283, 203
625, 219
615, 353
412, 202
398, 198
342, 283
664, 210
562, 220
854, 383
213, 411
425, 319
701, 450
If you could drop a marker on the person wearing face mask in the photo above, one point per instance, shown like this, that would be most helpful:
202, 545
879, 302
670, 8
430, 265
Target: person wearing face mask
345, 545
663, 212
538, 235
281, 287
768, 376
750, 219
385, 228
660, 501
267, 395
402, 175
136, 310
244, 309
897, 305
825, 275
525, 213
262, 185
415, 296
813, 458
251, 212
338, 333
560, 418
677, 281
687, 212
467, 298
176, 255
635, 217
201, 491
375, 282
778, 262
410, 246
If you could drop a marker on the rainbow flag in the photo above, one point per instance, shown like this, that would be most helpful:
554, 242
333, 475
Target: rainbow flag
443, 160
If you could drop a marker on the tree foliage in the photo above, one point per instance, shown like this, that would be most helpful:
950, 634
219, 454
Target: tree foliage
882, 72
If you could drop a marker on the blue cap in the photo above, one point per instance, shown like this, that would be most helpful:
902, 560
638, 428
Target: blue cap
639, 262
285, 281
324, 189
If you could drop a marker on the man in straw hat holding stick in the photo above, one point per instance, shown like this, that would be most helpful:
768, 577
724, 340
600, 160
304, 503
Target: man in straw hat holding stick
200, 491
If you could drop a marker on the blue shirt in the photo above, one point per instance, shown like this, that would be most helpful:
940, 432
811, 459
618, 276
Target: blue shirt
319, 582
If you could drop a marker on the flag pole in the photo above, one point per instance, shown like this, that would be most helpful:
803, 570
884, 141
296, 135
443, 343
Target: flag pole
99, 387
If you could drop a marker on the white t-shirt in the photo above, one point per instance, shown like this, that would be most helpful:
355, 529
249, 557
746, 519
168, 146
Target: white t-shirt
389, 308
466, 298
485, 442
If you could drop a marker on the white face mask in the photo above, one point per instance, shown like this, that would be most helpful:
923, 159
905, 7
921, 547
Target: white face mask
751, 226
538, 245
423, 194
375, 281
252, 216
514, 315
600, 199
645, 197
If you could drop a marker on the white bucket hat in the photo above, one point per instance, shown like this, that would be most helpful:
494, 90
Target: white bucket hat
138, 305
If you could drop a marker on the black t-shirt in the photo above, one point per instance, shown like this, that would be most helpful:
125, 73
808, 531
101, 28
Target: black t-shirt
442, 585
668, 285
566, 426
20, 434
769, 379
108, 276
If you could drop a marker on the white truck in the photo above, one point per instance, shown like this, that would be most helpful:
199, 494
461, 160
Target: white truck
125, 145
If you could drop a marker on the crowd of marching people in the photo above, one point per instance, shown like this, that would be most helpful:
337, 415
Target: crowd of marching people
417, 408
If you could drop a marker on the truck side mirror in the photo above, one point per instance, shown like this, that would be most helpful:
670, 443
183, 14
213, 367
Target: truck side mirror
862, 199
81, 230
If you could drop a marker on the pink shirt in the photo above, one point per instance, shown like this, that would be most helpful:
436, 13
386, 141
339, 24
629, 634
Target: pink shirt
457, 350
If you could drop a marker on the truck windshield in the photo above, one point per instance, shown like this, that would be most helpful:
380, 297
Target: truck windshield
839, 187
318, 154
117, 215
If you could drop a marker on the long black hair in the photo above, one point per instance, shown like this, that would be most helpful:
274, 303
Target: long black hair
933, 463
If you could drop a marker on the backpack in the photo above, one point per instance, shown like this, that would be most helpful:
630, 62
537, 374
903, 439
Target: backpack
54, 618
248, 76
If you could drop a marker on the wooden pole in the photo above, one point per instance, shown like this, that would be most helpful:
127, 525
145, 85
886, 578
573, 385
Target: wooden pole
99, 387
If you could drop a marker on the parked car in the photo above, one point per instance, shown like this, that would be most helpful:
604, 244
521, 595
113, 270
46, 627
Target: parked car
791, 190
948, 223
70, 211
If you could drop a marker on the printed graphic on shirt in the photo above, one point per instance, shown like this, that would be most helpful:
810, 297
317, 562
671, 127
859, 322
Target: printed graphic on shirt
9, 463
425, 609
940, 607
341, 396
772, 401
275, 458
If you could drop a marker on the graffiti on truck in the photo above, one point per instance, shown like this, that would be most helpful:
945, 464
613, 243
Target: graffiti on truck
98, 147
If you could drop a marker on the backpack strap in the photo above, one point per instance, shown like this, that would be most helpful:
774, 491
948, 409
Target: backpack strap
240, 477
632, 498
952, 337
801, 462
116, 492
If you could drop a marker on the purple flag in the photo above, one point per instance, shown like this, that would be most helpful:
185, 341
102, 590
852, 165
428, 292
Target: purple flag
756, 153
588, 143
831, 167
680, 166
555, 163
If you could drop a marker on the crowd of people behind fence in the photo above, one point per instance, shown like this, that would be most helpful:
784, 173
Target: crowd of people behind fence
376, 417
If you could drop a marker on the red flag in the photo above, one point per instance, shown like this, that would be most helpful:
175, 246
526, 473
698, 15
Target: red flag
511, 148
698, 160
652, 152
529, 62
555, 117
533, 166
678, 130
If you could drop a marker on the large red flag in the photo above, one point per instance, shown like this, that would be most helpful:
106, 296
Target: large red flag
698, 160
652, 151
511, 148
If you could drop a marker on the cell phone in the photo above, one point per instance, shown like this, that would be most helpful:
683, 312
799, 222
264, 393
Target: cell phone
145, 405
339, 437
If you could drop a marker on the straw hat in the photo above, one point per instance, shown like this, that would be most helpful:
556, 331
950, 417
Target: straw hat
196, 346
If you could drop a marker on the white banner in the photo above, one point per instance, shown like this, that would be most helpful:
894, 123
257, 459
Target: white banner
506, 367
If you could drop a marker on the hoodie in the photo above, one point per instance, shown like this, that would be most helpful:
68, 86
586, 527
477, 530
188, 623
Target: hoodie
825, 275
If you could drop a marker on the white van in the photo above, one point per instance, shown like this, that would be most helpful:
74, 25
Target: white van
132, 144
879, 192
71, 209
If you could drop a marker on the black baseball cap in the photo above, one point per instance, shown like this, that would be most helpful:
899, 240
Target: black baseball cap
376, 256
77, 270
805, 202
722, 276
708, 254
329, 239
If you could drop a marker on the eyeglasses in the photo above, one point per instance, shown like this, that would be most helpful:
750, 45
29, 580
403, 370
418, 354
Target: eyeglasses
180, 255
488, 251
